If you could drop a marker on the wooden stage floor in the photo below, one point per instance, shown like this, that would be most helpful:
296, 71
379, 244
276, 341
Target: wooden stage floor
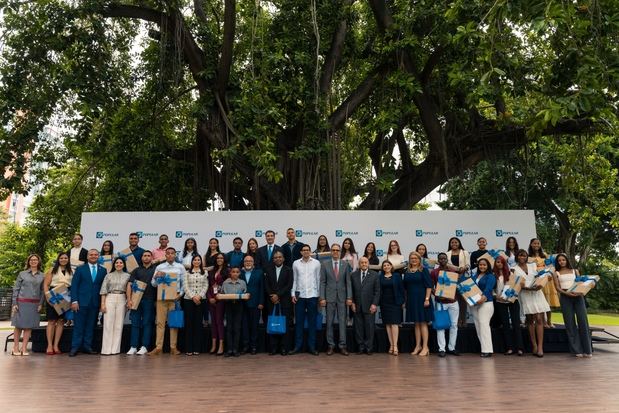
306, 383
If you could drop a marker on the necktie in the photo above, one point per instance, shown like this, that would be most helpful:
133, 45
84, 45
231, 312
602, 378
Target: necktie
270, 251
93, 272
336, 271
362, 276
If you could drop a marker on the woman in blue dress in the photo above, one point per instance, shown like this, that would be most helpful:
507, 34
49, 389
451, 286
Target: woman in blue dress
418, 286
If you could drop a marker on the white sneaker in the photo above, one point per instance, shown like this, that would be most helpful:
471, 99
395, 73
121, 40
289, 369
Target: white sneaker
132, 351
142, 351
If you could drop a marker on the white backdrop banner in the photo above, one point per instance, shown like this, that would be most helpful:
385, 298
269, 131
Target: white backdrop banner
409, 228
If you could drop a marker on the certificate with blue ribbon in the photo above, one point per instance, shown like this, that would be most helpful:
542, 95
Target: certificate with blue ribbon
137, 291
470, 291
584, 283
166, 287
60, 298
446, 285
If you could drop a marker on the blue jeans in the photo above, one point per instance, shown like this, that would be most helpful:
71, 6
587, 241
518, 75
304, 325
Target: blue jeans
142, 321
84, 328
309, 305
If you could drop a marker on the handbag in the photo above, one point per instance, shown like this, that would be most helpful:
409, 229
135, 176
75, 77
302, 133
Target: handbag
176, 318
318, 322
441, 319
276, 323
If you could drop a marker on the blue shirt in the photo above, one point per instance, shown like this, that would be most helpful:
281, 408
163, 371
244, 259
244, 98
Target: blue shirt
235, 258
247, 275
486, 284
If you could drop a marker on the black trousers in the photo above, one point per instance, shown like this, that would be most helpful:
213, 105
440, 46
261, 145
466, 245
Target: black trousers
251, 318
193, 325
234, 321
364, 330
510, 320
280, 342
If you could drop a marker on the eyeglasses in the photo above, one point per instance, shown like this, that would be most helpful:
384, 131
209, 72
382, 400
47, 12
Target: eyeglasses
335, 250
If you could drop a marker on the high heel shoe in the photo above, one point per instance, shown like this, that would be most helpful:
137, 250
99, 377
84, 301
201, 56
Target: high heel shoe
391, 350
213, 350
416, 351
395, 351
424, 353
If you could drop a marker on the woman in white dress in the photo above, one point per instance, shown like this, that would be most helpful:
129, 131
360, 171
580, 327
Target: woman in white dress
533, 302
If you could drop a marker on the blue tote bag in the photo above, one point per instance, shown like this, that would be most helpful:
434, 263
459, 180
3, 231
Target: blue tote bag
276, 323
441, 319
176, 318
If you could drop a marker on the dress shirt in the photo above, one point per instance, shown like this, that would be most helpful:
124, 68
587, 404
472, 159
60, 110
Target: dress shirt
194, 284
306, 278
231, 286
277, 271
235, 258
247, 274
115, 282
158, 254
176, 269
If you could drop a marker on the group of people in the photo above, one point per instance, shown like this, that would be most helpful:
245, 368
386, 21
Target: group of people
294, 282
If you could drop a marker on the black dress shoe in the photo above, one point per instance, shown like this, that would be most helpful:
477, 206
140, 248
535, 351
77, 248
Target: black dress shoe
313, 352
91, 351
73, 353
272, 353
284, 353
344, 352
244, 350
453, 352
441, 354
293, 352
360, 351
228, 354
235, 354
330, 351
253, 351
486, 355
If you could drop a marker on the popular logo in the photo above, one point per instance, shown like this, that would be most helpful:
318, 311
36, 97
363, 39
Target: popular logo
339, 233
379, 232
382, 232
99, 234
258, 233
298, 233
461, 233
502, 233
140, 234
179, 234
219, 234
421, 233
379, 253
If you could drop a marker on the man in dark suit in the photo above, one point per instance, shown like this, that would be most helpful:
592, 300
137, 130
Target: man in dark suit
265, 253
85, 302
278, 286
254, 278
291, 249
336, 295
366, 295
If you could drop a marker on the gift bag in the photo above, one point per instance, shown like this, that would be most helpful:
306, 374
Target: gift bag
276, 324
441, 319
318, 322
176, 318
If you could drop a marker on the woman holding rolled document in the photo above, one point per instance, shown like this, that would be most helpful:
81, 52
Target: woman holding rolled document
484, 308
572, 306
60, 275
534, 304
508, 310
113, 305
195, 285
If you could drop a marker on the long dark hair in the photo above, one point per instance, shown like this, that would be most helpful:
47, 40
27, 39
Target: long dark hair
351, 250
195, 247
209, 245
425, 254
488, 266
257, 246
326, 246
516, 247
365, 251
541, 252
568, 265
460, 247
67, 267
223, 266
201, 263
111, 247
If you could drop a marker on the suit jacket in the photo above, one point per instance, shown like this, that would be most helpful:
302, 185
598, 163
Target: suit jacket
333, 290
367, 293
281, 287
83, 289
83, 254
289, 257
255, 287
210, 293
262, 255
398, 287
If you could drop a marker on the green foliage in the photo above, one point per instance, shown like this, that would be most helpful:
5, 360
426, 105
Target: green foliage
16, 243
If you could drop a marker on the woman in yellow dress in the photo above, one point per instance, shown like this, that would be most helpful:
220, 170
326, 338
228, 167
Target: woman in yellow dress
537, 255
